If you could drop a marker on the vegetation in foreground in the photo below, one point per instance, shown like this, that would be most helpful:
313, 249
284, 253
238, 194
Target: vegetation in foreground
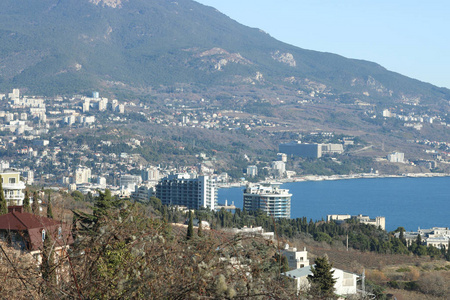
127, 250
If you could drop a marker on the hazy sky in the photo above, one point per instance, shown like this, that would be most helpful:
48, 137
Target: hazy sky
409, 37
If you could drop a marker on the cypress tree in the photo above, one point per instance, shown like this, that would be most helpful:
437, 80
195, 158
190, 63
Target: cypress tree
322, 280
35, 205
3, 203
402, 236
48, 261
419, 240
190, 229
26, 203
49, 208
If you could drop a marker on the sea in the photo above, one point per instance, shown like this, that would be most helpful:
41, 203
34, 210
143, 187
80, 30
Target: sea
408, 202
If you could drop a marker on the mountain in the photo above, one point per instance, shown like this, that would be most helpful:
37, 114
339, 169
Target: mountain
71, 46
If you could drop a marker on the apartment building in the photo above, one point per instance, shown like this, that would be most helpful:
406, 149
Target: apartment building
269, 198
192, 192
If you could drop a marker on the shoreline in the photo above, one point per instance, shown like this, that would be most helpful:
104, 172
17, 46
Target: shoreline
338, 177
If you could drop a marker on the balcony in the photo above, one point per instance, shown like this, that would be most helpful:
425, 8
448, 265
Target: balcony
14, 186
18, 196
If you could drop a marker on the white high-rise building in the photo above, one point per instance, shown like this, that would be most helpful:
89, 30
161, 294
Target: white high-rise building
82, 175
194, 193
103, 104
86, 105
252, 171
398, 157
270, 198
150, 174
279, 168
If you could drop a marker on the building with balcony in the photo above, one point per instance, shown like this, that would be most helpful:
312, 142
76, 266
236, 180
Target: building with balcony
269, 198
182, 189
82, 175
13, 187
296, 259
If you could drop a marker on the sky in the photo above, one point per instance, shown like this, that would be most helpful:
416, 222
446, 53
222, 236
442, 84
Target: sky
409, 37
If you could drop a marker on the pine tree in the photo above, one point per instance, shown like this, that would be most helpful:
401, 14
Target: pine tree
402, 236
49, 208
419, 240
322, 280
3, 203
103, 205
26, 203
35, 205
190, 229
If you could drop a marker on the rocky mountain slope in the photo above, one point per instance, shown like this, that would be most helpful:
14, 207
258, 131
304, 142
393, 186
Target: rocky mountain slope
54, 46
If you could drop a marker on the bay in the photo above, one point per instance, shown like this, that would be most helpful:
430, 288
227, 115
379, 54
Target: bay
407, 202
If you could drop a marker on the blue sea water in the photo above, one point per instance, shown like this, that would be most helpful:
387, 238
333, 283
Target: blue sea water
407, 202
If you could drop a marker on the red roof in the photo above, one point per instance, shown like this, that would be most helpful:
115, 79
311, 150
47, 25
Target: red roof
33, 224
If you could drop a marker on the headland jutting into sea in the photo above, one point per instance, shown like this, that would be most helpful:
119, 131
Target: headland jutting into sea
339, 177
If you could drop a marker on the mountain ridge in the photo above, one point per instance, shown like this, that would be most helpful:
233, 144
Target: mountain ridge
70, 46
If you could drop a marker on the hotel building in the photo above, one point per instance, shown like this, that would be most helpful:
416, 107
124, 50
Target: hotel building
270, 198
183, 190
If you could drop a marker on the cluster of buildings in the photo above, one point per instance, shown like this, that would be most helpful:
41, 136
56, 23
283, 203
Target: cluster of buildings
378, 221
438, 237
413, 120
33, 116
345, 282
185, 114
399, 157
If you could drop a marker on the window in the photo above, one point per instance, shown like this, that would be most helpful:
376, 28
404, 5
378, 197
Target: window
12, 180
347, 279
43, 235
59, 233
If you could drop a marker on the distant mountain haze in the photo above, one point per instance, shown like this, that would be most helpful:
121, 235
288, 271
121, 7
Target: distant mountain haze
72, 46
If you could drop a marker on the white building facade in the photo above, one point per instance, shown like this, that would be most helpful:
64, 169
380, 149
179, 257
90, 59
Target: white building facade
270, 198
182, 189
296, 259
13, 187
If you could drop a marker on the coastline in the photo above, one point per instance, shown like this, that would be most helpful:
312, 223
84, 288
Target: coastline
338, 177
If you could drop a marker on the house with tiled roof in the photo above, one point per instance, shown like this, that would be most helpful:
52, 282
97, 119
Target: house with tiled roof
26, 231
